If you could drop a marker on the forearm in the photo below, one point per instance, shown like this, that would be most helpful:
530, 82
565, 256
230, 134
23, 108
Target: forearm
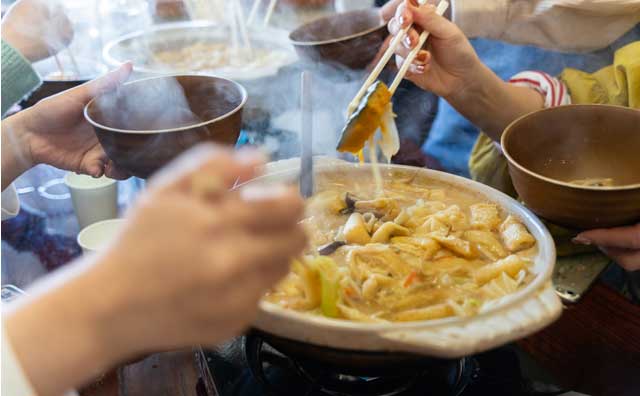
16, 158
583, 25
492, 104
18, 76
61, 332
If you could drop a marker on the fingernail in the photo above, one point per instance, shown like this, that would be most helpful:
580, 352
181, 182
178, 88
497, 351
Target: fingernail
420, 69
401, 20
407, 42
581, 240
422, 56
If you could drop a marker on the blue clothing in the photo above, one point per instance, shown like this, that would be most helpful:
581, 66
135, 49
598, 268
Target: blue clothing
452, 136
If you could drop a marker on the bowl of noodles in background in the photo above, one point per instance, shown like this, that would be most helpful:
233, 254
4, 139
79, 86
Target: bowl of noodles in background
205, 47
577, 165
350, 39
68, 73
516, 305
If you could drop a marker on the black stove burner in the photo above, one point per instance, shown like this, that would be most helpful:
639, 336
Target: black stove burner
250, 366
315, 379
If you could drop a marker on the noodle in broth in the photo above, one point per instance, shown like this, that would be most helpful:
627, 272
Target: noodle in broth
422, 250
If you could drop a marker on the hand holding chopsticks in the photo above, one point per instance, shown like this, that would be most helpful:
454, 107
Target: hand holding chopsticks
393, 46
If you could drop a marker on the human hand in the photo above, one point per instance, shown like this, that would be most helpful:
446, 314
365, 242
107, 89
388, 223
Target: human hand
388, 10
188, 268
622, 244
195, 258
55, 132
449, 65
37, 28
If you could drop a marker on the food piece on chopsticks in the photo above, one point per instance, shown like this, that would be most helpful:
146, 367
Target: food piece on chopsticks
365, 121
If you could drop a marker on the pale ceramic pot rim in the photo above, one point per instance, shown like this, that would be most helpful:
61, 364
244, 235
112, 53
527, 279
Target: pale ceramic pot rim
270, 35
511, 127
546, 256
335, 40
238, 86
111, 225
96, 184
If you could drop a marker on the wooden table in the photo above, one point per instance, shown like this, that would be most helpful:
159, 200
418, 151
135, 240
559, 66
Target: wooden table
593, 348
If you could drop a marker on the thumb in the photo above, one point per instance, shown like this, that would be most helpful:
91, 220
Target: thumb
107, 83
620, 237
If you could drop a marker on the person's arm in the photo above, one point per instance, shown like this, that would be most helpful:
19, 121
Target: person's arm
18, 77
568, 25
492, 104
452, 70
188, 268
15, 157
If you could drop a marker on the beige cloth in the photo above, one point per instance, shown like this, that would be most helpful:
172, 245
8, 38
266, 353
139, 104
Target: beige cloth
567, 25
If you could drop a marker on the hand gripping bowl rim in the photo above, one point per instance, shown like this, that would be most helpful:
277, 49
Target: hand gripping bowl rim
397, 335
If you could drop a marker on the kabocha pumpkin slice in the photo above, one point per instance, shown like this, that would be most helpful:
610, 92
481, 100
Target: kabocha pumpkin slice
367, 118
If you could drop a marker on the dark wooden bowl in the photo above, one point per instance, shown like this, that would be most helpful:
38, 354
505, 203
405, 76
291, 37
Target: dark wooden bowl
141, 143
350, 39
89, 70
549, 148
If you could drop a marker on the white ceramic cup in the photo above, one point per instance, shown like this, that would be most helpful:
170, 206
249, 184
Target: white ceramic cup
94, 199
96, 236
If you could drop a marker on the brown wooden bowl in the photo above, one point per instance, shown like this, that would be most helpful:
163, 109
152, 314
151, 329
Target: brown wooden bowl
549, 148
141, 144
350, 39
87, 70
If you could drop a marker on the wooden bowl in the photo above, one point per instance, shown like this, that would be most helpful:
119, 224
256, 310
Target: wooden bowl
350, 39
549, 148
52, 84
142, 142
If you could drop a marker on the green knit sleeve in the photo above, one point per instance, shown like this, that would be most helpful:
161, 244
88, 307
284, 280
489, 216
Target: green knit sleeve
18, 77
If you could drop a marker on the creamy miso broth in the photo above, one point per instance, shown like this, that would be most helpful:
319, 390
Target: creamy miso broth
594, 182
205, 56
421, 250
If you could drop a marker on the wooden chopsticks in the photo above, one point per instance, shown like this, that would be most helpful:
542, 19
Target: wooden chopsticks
375, 73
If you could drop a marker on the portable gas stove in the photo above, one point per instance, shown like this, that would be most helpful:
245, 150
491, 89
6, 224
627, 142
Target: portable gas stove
249, 366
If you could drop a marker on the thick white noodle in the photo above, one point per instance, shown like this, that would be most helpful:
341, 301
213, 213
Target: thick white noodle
375, 166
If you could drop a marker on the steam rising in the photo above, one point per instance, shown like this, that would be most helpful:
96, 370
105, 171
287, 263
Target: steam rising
155, 104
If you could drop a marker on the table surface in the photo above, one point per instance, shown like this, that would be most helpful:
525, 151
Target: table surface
594, 348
